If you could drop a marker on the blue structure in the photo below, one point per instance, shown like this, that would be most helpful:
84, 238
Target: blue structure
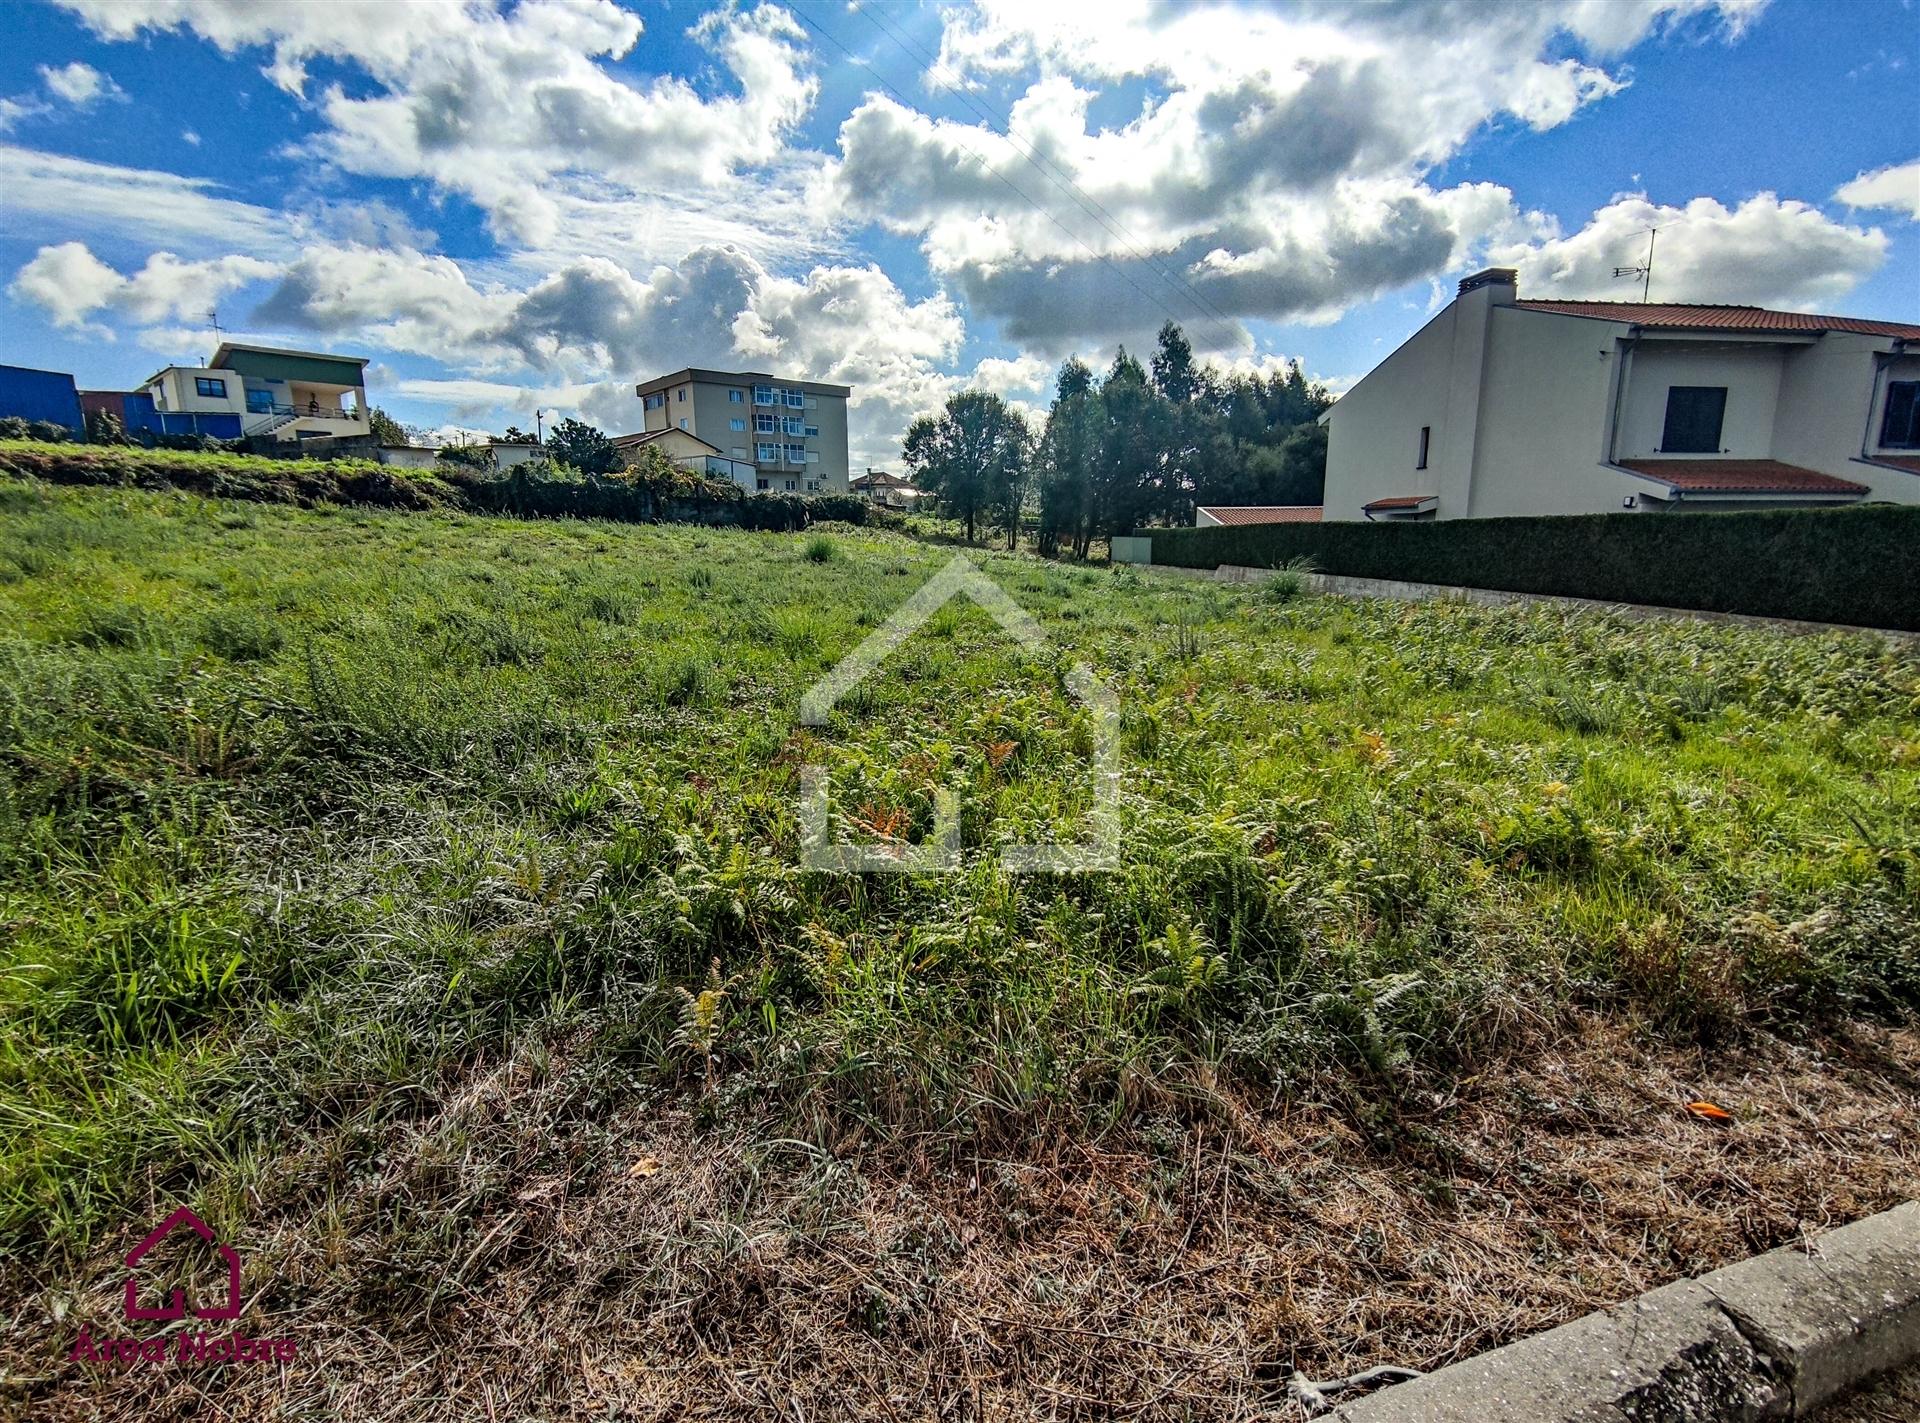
142, 419
40, 395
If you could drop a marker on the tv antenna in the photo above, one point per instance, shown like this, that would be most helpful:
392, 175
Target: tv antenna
213, 320
1645, 273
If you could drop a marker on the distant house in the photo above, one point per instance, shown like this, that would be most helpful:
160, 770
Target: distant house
687, 449
29, 394
1212, 516
889, 490
256, 391
792, 432
1499, 406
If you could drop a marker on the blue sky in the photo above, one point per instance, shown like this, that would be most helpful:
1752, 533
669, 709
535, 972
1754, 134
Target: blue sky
537, 204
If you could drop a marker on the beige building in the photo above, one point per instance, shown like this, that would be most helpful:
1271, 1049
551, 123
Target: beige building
1500, 406
792, 432
273, 392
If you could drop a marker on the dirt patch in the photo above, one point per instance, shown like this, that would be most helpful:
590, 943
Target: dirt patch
513, 1256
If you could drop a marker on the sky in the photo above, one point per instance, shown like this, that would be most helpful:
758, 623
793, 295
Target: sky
510, 207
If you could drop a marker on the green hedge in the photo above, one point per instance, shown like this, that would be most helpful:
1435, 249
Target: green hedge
1859, 565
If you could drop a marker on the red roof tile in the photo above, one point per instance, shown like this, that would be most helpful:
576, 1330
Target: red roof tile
1262, 513
1910, 463
1741, 477
1400, 501
1680, 317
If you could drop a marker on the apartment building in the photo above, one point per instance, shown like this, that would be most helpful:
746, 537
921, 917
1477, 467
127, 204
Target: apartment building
793, 432
1503, 406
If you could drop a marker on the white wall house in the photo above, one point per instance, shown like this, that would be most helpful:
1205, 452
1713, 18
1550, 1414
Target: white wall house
1500, 407
284, 394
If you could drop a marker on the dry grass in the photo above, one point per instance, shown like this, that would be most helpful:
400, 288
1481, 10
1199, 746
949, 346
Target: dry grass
701, 1274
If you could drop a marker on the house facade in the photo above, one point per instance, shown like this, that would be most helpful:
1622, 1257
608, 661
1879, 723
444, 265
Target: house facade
792, 432
884, 488
262, 391
1501, 407
688, 450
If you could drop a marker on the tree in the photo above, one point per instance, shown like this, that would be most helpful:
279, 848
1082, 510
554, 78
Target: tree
1066, 456
386, 429
516, 436
105, 428
581, 446
1174, 374
973, 456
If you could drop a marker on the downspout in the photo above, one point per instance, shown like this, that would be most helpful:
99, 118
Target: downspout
1627, 344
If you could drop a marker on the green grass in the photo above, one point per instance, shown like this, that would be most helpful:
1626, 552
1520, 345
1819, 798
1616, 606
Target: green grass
303, 811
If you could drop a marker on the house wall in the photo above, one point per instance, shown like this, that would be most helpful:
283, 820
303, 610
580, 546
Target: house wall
676, 444
1544, 410
1373, 431
1833, 399
1751, 374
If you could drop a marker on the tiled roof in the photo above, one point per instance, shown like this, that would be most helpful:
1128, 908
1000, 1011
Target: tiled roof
1401, 501
1741, 477
647, 437
1910, 463
1262, 513
1680, 317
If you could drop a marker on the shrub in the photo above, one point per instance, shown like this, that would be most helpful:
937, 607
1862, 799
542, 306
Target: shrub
843, 508
820, 549
782, 513
50, 430
467, 456
1857, 566
105, 428
12, 427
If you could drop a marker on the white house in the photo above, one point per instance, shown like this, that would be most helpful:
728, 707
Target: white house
268, 391
1500, 406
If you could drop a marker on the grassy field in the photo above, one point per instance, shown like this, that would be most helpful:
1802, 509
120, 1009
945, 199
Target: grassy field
417, 895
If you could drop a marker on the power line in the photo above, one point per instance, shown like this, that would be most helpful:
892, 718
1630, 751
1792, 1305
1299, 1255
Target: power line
979, 158
1002, 124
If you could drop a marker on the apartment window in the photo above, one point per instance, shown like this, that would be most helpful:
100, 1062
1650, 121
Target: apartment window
736, 397
210, 386
796, 454
1695, 414
1900, 426
813, 486
792, 484
737, 423
1426, 436
768, 453
793, 427
764, 395
813, 432
683, 422
760, 484
766, 424
653, 402
681, 395
797, 399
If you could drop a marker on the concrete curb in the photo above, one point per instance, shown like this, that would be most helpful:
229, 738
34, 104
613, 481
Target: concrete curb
1345, 587
1773, 1337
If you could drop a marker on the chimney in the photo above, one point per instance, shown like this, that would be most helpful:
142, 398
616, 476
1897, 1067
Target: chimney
1505, 282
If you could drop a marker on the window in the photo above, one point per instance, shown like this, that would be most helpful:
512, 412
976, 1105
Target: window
760, 483
259, 402
791, 484
763, 395
681, 395
792, 426
683, 422
766, 424
653, 402
211, 386
813, 486
1694, 416
737, 423
767, 452
736, 397
796, 454
813, 432
1900, 427
797, 399
1426, 434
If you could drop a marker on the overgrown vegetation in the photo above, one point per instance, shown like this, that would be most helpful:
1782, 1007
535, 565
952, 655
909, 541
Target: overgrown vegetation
1856, 566
304, 807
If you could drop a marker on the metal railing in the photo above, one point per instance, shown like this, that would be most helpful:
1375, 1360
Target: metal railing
310, 411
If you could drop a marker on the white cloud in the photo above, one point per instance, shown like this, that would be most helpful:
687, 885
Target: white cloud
1896, 189
1765, 252
190, 138
48, 191
79, 84
70, 284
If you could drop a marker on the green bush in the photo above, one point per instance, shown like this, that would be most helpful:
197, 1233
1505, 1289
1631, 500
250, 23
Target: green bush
843, 508
1859, 566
